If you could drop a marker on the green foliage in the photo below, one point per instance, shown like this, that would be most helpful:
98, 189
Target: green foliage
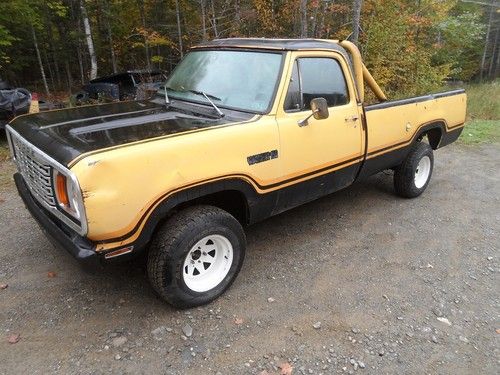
398, 46
6, 40
410, 46
462, 35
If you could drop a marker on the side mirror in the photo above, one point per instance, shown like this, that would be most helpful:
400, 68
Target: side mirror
319, 108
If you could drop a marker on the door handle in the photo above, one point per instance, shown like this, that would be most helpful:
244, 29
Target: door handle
352, 118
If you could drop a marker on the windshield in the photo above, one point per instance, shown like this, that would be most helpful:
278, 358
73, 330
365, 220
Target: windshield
234, 79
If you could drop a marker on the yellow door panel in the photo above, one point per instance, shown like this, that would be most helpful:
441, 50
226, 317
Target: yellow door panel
322, 143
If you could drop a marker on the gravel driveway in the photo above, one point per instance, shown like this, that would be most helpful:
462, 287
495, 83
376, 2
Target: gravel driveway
358, 282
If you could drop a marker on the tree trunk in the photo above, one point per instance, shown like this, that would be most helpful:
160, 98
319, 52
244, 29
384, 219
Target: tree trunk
42, 70
496, 71
356, 17
319, 27
68, 75
56, 66
303, 18
90, 43
111, 49
52, 53
494, 53
203, 20
315, 19
487, 41
146, 44
179, 33
110, 38
80, 62
49, 68
214, 20
237, 17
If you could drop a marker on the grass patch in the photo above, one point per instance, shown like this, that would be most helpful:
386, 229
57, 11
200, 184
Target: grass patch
480, 131
483, 101
483, 114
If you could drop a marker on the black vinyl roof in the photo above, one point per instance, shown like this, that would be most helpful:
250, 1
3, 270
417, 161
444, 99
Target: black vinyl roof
273, 44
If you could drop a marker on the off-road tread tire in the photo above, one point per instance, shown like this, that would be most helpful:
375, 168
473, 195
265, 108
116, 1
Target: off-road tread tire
175, 238
404, 175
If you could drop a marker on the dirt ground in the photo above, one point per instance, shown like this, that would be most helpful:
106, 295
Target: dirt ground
358, 282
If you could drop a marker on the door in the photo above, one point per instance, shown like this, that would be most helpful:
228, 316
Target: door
325, 155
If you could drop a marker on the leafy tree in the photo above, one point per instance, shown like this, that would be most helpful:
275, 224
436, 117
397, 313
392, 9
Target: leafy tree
410, 45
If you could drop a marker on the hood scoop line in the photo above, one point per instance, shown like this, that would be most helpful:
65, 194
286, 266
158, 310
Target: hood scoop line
123, 123
119, 114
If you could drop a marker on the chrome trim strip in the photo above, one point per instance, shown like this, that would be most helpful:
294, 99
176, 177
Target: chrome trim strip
83, 227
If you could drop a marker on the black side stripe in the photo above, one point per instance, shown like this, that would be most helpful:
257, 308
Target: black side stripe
225, 177
265, 156
249, 178
416, 134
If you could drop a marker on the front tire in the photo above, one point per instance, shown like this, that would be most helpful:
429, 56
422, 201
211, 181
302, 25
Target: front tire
413, 175
196, 256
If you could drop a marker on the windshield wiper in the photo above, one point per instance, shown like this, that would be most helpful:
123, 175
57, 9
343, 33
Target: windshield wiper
201, 93
167, 100
208, 96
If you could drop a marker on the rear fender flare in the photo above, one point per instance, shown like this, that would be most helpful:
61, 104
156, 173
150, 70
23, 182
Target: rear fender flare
434, 132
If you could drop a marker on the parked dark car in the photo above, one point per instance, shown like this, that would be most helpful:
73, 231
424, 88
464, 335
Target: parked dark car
13, 102
129, 85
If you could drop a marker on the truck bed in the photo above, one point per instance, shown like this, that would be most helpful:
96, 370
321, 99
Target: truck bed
393, 125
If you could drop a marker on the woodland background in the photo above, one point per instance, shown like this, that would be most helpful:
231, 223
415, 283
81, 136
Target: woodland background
411, 46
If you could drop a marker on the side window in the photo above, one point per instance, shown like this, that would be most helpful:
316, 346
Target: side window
320, 77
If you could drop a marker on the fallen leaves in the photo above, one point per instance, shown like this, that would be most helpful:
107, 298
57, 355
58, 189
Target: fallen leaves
4, 286
51, 274
286, 369
14, 338
238, 321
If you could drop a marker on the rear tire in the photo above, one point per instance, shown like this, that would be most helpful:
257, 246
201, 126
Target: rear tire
413, 175
196, 256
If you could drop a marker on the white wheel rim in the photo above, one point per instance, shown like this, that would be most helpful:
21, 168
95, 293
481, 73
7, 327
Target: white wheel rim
422, 172
207, 263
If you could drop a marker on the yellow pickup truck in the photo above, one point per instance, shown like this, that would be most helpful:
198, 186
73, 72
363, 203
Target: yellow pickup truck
243, 129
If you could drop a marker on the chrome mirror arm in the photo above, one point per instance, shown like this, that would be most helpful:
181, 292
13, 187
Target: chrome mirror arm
305, 121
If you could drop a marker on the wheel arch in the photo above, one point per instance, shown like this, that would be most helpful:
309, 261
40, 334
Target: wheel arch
434, 133
234, 195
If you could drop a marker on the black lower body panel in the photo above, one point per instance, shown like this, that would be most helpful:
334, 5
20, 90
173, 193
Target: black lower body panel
450, 137
382, 162
59, 234
393, 158
314, 188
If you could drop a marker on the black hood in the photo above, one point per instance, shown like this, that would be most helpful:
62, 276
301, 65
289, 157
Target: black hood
68, 133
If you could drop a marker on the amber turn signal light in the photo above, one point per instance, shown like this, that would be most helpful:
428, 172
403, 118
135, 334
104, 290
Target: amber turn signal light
61, 189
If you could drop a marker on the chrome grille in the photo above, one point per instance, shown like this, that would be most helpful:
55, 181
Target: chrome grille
37, 172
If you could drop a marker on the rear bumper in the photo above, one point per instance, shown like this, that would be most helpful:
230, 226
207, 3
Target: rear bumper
60, 235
